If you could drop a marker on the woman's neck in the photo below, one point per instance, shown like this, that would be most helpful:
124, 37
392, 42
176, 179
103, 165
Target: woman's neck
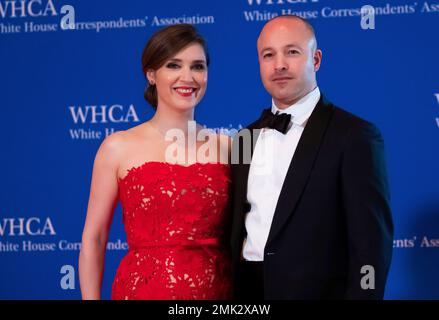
166, 119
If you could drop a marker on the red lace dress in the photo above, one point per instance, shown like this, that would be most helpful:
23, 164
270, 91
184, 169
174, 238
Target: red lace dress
175, 218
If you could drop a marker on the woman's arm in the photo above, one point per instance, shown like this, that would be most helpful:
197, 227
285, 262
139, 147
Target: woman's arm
101, 205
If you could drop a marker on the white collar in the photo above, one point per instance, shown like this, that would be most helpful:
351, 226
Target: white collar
302, 109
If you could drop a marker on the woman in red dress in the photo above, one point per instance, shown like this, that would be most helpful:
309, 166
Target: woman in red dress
174, 211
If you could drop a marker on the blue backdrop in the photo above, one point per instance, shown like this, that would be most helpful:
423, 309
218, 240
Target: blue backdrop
63, 91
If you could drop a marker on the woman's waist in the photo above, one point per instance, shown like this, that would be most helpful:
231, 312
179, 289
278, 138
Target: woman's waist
169, 243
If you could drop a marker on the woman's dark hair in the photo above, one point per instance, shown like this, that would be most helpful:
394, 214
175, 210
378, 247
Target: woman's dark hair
162, 46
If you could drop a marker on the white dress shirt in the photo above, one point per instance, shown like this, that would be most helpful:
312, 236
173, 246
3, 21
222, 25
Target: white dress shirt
271, 158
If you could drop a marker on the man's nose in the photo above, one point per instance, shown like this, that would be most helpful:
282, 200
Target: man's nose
280, 64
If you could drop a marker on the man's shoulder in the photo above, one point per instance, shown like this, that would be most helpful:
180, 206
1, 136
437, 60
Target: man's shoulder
349, 120
350, 124
340, 117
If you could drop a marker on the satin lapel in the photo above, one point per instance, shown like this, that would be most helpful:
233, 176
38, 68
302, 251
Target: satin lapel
301, 165
241, 172
244, 166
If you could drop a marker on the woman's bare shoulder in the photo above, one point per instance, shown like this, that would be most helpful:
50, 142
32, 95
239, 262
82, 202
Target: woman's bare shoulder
114, 142
121, 140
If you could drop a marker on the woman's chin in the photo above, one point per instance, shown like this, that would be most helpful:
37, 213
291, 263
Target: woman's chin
185, 106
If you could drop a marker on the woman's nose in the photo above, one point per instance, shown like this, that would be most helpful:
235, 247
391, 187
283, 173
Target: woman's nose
186, 74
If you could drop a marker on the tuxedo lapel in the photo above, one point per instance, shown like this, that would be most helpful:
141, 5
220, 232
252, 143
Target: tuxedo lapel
246, 138
301, 165
242, 168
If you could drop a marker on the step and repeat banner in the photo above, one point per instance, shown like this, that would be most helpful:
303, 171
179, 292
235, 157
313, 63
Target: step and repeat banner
62, 91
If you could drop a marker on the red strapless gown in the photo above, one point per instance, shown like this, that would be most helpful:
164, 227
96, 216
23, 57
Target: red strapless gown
175, 218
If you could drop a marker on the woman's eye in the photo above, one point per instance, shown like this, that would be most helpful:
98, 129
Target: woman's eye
172, 65
199, 67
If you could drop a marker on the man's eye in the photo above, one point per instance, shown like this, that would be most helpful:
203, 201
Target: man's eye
172, 65
293, 51
267, 55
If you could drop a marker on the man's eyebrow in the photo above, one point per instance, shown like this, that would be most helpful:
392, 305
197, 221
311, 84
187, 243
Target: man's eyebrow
291, 45
266, 48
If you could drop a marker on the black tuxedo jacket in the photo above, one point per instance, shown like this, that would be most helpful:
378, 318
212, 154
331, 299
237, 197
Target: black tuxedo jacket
332, 217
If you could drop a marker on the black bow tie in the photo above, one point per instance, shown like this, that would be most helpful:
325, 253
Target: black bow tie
279, 122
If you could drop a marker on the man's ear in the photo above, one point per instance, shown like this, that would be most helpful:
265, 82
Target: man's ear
317, 59
150, 75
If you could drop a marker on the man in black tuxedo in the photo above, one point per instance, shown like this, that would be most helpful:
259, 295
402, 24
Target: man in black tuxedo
311, 209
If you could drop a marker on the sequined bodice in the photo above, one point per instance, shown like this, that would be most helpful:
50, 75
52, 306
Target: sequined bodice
175, 219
